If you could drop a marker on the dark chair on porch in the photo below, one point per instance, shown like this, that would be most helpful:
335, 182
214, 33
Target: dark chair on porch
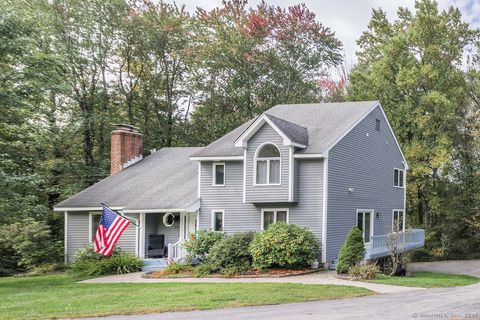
156, 247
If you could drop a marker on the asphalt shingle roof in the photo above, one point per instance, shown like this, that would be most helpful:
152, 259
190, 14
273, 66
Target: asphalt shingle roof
293, 131
324, 124
166, 179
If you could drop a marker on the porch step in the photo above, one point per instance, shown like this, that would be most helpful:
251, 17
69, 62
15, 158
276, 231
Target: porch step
154, 264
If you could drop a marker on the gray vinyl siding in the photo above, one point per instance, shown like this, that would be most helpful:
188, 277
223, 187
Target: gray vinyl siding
308, 212
273, 193
78, 234
172, 234
365, 163
128, 239
241, 216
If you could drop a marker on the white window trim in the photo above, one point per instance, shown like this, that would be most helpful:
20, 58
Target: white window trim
274, 215
403, 218
213, 219
90, 225
255, 159
372, 224
214, 173
404, 178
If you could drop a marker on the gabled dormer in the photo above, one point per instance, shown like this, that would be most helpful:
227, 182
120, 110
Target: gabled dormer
269, 144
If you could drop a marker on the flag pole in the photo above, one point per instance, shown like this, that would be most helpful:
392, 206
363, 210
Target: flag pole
121, 215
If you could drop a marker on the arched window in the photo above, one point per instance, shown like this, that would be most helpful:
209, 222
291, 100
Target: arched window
267, 165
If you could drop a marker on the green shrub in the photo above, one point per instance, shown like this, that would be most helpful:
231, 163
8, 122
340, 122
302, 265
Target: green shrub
87, 263
198, 245
204, 269
367, 271
26, 244
352, 252
283, 245
232, 253
176, 268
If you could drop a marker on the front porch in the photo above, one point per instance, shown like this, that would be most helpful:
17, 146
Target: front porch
407, 240
162, 234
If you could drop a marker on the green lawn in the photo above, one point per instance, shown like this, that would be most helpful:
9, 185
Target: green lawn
428, 280
58, 296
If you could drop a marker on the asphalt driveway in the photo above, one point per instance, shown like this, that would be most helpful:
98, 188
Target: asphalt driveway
445, 303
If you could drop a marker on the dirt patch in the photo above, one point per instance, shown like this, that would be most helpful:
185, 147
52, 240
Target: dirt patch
271, 273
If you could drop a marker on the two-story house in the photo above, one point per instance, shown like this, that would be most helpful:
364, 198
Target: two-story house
328, 167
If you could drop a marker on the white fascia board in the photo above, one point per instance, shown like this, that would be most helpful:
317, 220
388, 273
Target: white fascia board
85, 209
219, 158
308, 155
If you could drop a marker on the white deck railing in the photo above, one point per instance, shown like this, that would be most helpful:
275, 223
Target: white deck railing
410, 239
176, 251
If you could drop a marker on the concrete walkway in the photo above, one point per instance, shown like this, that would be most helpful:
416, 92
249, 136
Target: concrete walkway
323, 277
444, 303
468, 267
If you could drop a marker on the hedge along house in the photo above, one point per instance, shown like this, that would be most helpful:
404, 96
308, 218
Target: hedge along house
327, 167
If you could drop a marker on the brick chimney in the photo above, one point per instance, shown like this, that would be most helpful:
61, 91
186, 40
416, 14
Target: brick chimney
126, 147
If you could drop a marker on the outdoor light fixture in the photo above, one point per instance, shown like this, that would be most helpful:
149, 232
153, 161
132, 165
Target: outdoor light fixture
378, 215
350, 189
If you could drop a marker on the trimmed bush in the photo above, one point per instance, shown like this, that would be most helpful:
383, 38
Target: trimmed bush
87, 263
367, 271
198, 245
283, 245
352, 252
231, 254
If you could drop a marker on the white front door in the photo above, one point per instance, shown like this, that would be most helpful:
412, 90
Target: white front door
188, 224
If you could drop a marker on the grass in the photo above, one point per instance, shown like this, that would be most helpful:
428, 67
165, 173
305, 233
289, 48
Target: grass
59, 296
428, 280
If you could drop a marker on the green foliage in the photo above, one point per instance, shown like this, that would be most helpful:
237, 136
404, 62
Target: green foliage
231, 254
176, 268
198, 245
88, 263
366, 271
352, 251
204, 269
27, 244
283, 245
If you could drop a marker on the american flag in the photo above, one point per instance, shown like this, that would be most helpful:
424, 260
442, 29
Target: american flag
109, 230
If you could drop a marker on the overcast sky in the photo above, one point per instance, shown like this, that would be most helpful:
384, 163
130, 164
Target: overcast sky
348, 18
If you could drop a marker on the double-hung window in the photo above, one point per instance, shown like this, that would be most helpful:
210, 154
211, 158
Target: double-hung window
397, 221
398, 178
267, 162
270, 216
218, 174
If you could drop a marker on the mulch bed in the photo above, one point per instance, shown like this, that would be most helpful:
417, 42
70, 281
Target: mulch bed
271, 273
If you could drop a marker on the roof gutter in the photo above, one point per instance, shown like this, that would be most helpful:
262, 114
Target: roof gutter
83, 208
219, 158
